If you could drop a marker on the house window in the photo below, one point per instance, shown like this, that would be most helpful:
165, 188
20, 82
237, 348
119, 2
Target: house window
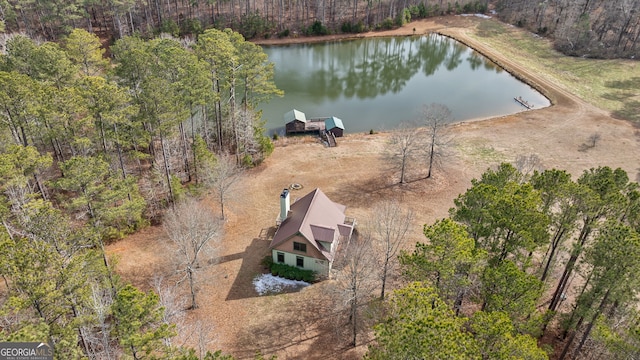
299, 247
299, 261
280, 257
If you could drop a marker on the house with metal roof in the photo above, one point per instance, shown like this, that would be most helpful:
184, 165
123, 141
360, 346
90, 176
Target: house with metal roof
335, 126
309, 231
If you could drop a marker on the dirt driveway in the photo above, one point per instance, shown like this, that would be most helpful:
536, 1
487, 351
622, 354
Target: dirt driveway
300, 325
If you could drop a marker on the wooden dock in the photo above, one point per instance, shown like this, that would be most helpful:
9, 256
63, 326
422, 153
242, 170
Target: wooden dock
327, 127
523, 102
315, 127
311, 126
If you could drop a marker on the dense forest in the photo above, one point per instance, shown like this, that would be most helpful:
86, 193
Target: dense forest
142, 125
115, 19
93, 149
589, 28
523, 256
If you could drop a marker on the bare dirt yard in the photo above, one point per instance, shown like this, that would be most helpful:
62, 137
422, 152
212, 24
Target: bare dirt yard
301, 325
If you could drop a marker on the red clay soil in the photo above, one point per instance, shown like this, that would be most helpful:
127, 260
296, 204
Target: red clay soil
303, 325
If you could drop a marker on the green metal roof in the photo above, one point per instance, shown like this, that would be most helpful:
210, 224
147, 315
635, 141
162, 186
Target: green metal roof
333, 122
294, 115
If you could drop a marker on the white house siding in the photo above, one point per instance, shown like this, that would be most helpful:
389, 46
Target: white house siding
317, 265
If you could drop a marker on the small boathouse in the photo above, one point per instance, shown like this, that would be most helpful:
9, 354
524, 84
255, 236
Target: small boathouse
328, 128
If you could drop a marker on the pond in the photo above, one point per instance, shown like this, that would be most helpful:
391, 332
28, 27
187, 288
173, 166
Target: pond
378, 83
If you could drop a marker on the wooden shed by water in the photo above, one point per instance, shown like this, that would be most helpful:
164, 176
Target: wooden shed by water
335, 126
296, 122
328, 128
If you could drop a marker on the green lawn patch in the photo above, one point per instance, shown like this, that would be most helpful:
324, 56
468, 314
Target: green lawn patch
608, 84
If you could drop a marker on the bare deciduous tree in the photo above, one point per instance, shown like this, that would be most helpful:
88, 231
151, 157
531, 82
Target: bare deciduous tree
173, 305
222, 178
403, 147
595, 29
389, 226
201, 330
437, 117
591, 142
99, 337
246, 132
196, 232
356, 279
527, 165
188, 332
154, 189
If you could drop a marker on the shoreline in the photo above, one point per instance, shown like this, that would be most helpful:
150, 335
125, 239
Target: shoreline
496, 58
418, 27
450, 26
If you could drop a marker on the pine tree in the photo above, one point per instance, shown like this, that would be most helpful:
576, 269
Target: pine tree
449, 260
139, 327
421, 326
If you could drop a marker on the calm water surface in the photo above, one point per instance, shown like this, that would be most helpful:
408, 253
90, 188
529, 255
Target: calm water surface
377, 83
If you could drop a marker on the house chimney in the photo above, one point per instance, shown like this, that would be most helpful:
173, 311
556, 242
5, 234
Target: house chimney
285, 206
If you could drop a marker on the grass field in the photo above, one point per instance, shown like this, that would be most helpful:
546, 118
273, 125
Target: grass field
612, 85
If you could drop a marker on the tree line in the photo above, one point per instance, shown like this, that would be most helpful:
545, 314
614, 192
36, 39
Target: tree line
51, 19
523, 254
590, 28
59, 286
92, 149
113, 142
